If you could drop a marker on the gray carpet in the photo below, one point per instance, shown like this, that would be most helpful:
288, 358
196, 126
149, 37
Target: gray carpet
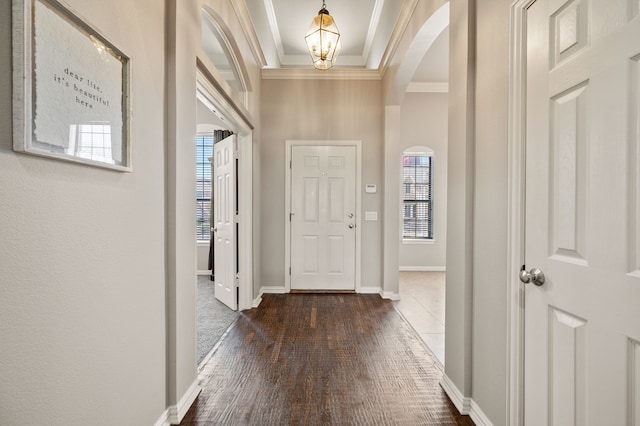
214, 318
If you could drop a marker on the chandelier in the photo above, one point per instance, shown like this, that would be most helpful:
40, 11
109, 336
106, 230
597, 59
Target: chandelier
323, 40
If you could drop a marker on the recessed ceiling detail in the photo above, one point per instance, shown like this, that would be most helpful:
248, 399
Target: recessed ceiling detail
357, 20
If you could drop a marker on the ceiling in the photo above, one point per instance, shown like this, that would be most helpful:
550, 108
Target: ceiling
367, 28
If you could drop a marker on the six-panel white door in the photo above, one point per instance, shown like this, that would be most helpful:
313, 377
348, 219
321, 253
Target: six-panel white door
323, 219
224, 219
582, 326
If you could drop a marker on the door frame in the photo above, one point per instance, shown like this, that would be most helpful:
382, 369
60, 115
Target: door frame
516, 209
213, 97
289, 144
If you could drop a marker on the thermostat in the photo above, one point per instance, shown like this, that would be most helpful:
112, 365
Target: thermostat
370, 188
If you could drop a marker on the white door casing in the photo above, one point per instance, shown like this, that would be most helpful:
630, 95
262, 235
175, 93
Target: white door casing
224, 219
323, 217
581, 94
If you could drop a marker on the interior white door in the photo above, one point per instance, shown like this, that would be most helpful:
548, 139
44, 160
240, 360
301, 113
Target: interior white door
224, 218
582, 326
323, 217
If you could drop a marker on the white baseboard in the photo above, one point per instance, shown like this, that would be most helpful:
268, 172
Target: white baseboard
174, 414
478, 417
272, 290
205, 272
163, 420
257, 301
462, 403
390, 295
465, 405
267, 290
369, 290
423, 268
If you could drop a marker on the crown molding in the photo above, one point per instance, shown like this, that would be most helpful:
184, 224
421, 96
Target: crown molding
398, 31
373, 25
314, 74
249, 30
275, 31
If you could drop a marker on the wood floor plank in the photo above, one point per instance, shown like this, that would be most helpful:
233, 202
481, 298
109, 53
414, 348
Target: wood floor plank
312, 359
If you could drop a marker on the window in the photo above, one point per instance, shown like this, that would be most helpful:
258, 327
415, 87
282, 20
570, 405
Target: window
204, 150
93, 142
417, 174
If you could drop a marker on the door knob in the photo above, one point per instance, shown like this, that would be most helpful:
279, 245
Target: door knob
214, 229
351, 226
535, 275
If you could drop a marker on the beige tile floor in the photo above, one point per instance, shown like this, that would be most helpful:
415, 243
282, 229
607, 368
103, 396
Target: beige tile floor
422, 304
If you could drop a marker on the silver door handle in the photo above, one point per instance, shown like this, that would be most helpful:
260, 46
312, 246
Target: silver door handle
214, 229
351, 226
535, 276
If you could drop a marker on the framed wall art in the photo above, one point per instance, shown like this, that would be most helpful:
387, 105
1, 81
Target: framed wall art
71, 88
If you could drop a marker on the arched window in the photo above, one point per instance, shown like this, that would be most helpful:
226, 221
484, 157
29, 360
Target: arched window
417, 193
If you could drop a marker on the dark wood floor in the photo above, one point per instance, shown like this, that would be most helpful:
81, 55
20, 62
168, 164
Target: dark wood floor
322, 359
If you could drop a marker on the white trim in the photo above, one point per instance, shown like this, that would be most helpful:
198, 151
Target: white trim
369, 290
246, 23
465, 405
462, 403
163, 420
245, 218
345, 61
257, 301
423, 268
515, 225
314, 74
418, 241
303, 59
428, 87
203, 272
373, 25
275, 30
390, 295
398, 31
287, 226
228, 44
478, 416
238, 122
175, 413
273, 290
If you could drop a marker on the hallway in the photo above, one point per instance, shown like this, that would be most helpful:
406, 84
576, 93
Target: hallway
322, 359
422, 303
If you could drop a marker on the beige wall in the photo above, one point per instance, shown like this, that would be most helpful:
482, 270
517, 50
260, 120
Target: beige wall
460, 186
97, 317
424, 122
82, 312
98, 282
476, 340
319, 110
490, 236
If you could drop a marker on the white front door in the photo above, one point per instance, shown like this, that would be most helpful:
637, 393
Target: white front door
323, 209
582, 226
224, 219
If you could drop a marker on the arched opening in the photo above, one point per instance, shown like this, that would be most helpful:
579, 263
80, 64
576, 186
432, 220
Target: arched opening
416, 126
225, 282
221, 51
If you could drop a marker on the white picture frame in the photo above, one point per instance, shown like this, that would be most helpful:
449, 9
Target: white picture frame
71, 98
